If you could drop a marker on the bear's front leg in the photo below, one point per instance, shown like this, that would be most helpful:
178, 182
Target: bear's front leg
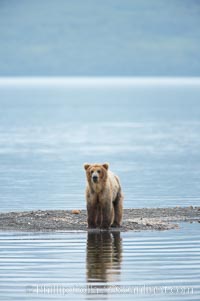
99, 216
107, 215
92, 215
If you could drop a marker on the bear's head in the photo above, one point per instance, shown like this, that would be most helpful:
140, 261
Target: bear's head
96, 173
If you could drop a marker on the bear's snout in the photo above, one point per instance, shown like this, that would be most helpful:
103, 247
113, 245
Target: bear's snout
95, 178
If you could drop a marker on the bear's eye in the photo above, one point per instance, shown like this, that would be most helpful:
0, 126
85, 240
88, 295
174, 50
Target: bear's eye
98, 171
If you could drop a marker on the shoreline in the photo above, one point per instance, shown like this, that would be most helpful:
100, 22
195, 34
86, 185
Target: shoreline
139, 219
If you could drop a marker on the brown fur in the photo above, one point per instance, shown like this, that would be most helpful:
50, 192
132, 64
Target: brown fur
104, 197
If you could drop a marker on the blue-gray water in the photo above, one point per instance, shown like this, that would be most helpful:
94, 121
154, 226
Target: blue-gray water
141, 266
151, 137
149, 134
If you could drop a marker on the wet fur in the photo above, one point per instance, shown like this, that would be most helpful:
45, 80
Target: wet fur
104, 199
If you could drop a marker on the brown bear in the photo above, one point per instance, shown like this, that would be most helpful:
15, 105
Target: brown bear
104, 197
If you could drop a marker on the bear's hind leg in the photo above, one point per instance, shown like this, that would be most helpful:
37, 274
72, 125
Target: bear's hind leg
118, 210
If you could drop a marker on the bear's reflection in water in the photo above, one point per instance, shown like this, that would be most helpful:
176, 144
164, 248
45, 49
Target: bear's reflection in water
104, 255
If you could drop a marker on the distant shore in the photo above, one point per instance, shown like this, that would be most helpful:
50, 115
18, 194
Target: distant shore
69, 220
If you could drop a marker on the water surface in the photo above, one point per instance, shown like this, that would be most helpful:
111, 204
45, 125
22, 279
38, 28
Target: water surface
148, 133
150, 136
143, 265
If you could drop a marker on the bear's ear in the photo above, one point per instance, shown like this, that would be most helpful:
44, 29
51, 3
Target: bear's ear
86, 166
106, 165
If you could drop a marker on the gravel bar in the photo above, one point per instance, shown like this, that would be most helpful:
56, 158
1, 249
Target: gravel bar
76, 220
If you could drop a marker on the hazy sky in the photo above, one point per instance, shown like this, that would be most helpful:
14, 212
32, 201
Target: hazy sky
100, 38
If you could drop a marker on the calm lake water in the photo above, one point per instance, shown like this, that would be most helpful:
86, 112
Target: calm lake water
141, 265
151, 137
